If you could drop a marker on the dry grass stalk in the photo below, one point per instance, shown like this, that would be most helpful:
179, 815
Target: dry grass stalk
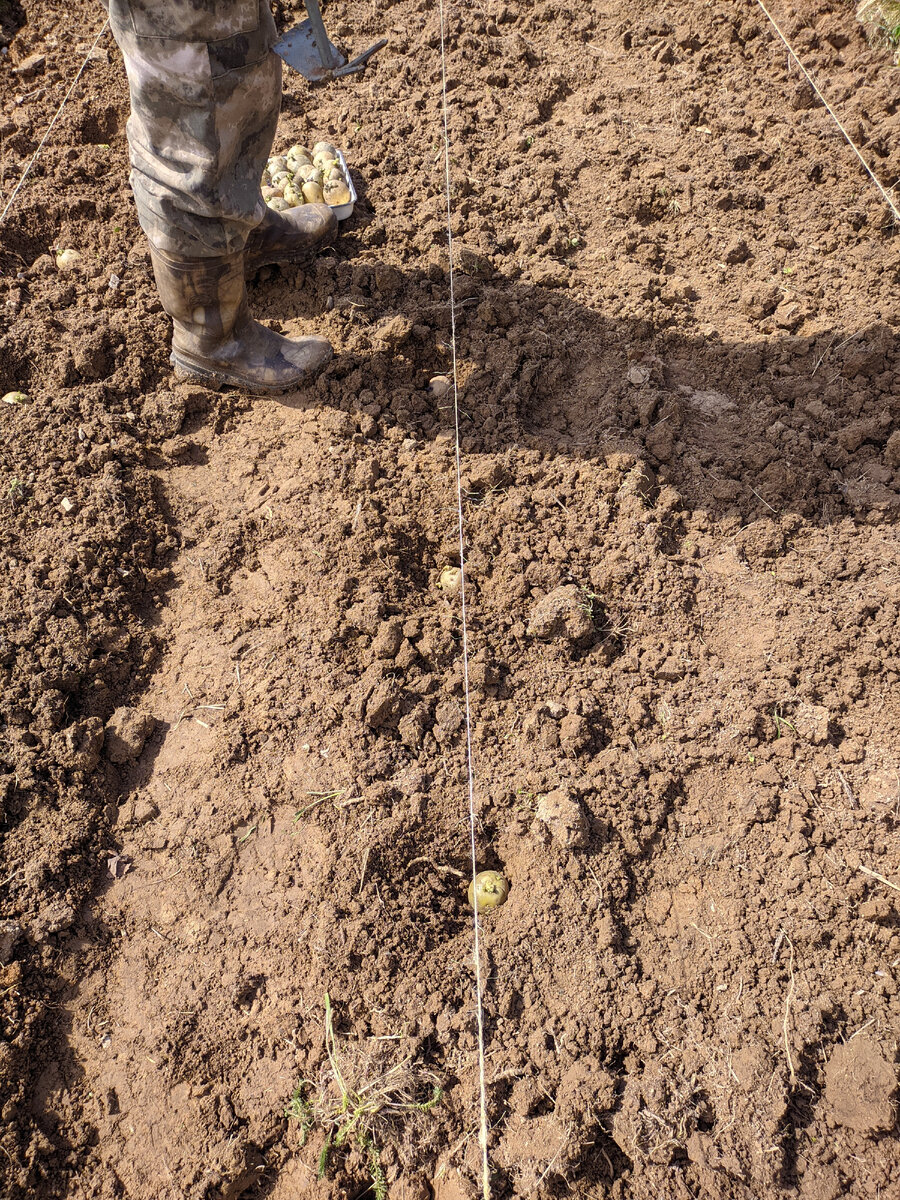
363, 1095
882, 21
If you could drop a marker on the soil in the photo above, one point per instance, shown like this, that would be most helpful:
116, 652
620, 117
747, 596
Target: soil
233, 738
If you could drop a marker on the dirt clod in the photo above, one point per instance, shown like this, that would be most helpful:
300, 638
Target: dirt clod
565, 819
126, 734
562, 613
860, 1085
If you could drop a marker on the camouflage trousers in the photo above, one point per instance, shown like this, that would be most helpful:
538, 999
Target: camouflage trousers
205, 95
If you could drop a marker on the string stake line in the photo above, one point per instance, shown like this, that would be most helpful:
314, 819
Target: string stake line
56, 116
888, 198
479, 983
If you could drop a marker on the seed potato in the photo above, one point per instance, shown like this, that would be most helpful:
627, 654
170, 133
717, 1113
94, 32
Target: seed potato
488, 890
291, 196
336, 192
292, 179
312, 193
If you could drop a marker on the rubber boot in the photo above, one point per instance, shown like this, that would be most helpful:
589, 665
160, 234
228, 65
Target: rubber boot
291, 236
216, 340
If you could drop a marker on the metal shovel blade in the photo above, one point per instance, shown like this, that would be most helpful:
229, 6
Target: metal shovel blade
310, 51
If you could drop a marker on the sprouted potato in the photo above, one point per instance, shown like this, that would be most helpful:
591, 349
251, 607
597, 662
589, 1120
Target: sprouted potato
336, 192
312, 193
488, 890
66, 259
306, 177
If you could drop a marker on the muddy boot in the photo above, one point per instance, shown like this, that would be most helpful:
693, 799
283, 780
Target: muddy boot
292, 236
215, 338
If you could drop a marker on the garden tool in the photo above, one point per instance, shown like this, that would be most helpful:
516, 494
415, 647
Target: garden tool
308, 49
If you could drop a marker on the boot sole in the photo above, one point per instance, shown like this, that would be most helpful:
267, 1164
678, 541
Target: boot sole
215, 379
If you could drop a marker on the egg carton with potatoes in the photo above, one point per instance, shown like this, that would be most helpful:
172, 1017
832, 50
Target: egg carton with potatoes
317, 176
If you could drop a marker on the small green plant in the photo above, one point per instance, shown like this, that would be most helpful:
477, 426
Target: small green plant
527, 801
783, 727
360, 1097
299, 1110
589, 600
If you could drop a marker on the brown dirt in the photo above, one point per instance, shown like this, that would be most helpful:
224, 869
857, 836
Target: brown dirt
232, 742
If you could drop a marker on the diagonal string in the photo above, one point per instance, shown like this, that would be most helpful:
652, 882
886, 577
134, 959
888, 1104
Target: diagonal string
849, 140
56, 116
479, 985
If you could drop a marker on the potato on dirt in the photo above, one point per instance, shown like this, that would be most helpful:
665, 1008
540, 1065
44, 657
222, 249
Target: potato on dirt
450, 579
67, 259
297, 180
488, 890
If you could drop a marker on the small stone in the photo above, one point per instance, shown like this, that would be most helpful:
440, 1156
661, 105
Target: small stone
637, 376
10, 932
32, 65
66, 505
860, 1085
15, 398
565, 819
126, 733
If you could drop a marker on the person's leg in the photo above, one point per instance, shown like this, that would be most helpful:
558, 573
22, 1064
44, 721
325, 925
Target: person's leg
205, 95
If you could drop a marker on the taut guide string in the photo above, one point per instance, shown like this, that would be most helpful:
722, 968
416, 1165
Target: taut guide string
849, 140
479, 984
34, 156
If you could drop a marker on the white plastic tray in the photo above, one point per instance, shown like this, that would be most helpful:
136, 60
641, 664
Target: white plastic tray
343, 211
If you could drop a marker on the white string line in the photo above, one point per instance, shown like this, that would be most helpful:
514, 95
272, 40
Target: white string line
37, 152
479, 987
850, 142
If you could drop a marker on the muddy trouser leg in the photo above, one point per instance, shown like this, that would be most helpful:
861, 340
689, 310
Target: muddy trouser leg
205, 95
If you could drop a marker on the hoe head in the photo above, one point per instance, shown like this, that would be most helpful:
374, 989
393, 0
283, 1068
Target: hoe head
309, 50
